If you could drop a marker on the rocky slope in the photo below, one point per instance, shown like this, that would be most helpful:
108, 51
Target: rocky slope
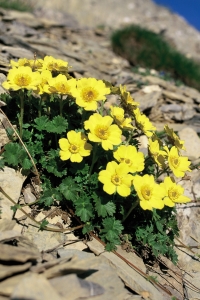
88, 51
117, 13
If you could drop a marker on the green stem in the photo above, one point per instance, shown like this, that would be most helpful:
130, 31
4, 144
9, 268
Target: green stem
130, 210
40, 107
94, 158
129, 138
61, 105
162, 172
21, 117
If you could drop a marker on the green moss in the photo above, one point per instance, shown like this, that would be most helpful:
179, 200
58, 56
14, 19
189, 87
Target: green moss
144, 48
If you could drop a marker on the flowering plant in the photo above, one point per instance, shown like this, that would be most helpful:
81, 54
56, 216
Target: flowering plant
87, 153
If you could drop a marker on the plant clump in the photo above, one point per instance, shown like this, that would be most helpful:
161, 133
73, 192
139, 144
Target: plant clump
144, 48
87, 154
20, 5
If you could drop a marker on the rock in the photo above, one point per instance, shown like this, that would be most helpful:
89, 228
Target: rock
28, 196
25, 18
177, 96
146, 100
35, 286
18, 52
72, 287
177, 112
151, 88
45, 240
2, 79
192, 142
130, 276
191, 93
9, 178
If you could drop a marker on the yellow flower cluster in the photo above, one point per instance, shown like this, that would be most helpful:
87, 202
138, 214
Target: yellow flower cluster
106, 128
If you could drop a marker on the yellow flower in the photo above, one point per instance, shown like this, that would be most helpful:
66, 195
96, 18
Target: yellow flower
130, 156
117, 113
22, 78
45, 76
157, 154
174, 192
143, 123
89, 91
60, 85
149, 192
116, 179
21, 62
52, 64
178, 164
126, 99
174, 139
74, 147
35, 64
101, 131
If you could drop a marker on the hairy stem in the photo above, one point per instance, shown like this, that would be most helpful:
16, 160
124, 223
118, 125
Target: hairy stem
130, 210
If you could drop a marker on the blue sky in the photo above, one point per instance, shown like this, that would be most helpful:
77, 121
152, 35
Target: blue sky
189, 9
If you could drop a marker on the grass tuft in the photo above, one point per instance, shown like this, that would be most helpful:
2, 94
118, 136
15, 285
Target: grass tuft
144, 48
20, 5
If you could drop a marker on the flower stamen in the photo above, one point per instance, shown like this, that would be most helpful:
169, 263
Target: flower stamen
22, 80
116, 180
146, 192
74, 149
102, 132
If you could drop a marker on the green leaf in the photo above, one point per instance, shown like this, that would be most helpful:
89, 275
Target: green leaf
2, 163
12, 154
57, 125
41, 123
112, 230
27, 164
43, 224
49, 196
53, 164
27, 135
15, 207
84, 208
111, 246
104, 207
69, 189
84, 212
87, 228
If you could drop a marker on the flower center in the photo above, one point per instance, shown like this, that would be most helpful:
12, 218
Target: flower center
146, 192
116, 180
173, 194
73, 148
22, 80
127, 161
175, 161
89, 95
102, 132
62, 88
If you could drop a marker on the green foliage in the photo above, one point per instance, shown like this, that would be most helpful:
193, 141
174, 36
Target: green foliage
43, 224
15, 207
20, 5
159, 232
15, 154
110, 233
76, 185
144, 48
69, 189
